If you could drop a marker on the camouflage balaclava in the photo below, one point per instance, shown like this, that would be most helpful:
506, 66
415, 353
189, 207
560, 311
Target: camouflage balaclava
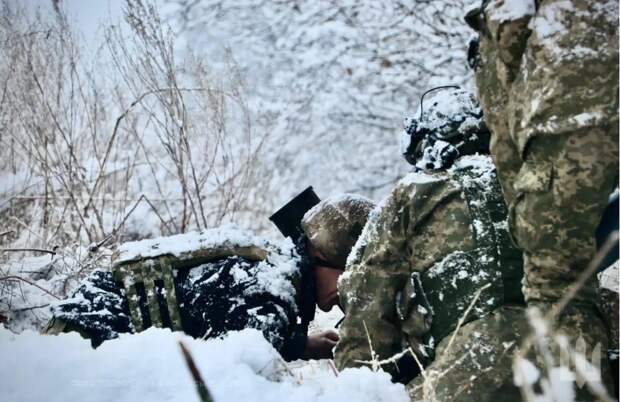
448, 126
334, 225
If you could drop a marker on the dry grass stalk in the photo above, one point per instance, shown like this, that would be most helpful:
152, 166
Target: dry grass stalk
542, 332
428, 386
29, 282
167, 137
82, 143
201, 387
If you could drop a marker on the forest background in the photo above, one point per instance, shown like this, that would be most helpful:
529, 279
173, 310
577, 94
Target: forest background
157, 118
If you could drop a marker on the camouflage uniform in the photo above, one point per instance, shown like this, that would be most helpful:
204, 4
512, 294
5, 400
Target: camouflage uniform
426, 251
547, 79
205, 292
436, 240
345, 216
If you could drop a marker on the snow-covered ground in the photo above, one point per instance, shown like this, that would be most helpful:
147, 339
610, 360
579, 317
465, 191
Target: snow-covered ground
149, 366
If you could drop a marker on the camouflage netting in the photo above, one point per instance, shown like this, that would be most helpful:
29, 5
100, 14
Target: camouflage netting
228, 294
97, 309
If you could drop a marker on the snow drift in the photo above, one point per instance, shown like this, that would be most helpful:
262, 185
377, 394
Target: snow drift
149, 366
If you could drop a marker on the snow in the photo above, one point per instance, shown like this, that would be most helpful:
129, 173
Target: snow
275, 280
525, 372
369, 233
481, 165
432, 156
609, 278
511, 10
178, 245
27, 305
548, 22
558, 388
450, 261
325, 320
418, 177
350, 199
442, 106
149, 366
588, 118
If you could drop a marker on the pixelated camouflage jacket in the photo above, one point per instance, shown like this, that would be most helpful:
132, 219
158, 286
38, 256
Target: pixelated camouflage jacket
434, 242
203, 296
572, 44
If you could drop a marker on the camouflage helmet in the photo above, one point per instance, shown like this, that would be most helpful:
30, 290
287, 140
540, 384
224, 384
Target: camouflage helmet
333, 226
449, 125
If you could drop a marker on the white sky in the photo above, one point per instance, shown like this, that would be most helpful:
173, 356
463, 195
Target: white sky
88, 15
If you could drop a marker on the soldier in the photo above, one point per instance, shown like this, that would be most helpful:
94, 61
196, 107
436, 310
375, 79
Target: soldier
332, 227
434, 247
324, 254
547, 77
203, 283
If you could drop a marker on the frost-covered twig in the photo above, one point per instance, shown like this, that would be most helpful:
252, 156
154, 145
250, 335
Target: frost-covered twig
36, 250
74, 132
374, 359
557, 309
376, 362
333, 367
582, 366
117, 124
19, 278
22, 224
22, 309
542, 333
609, 244
464, 316
419, 363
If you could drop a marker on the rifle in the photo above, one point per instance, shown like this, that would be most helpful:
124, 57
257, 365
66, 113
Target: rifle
288, 221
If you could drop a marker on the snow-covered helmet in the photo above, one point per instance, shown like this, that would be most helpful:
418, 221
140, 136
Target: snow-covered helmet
449, 127
333, 226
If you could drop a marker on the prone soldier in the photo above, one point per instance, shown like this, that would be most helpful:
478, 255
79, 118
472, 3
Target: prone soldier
204, 284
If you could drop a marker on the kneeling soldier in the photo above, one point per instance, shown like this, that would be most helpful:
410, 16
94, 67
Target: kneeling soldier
435, 246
